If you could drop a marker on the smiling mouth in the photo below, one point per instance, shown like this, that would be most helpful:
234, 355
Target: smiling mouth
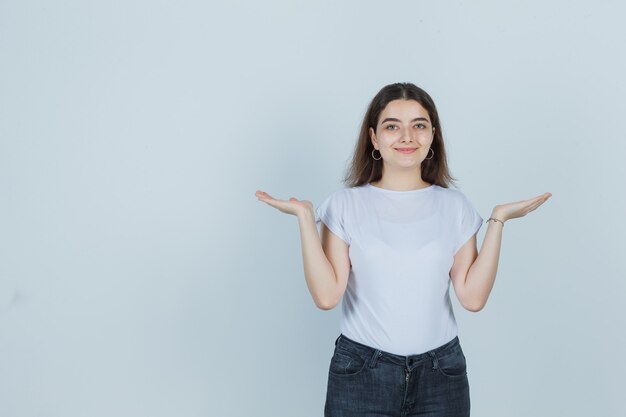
406, 150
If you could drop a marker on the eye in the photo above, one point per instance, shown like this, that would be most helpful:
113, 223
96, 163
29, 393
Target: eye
420, 124
388, 126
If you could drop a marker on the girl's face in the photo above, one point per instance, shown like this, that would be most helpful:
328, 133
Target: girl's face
403, 124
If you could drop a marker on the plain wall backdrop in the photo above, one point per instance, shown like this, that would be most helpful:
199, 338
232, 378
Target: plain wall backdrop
140, 275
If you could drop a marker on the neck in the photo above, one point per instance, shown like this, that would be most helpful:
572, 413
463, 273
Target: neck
401, 184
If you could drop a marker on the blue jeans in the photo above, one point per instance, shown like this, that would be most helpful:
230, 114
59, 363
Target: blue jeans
368, 382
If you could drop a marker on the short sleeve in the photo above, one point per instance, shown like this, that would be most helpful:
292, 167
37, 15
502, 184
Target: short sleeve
331, 212
470, 222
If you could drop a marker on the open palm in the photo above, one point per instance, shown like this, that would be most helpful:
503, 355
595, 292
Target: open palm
519, 208
291, 206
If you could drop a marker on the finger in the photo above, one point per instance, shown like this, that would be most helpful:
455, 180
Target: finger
264, 195
543, 196
535, 205
529, 201
542, 200
269, 200
529, 206
532, 208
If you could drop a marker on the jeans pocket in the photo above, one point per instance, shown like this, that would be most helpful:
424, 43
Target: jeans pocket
345, 362
453, 364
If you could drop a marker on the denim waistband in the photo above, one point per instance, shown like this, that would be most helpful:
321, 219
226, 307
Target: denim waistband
408, 360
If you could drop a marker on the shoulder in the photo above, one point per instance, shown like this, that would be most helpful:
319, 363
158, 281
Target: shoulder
336, 200
452, 194
345, 193
455, 199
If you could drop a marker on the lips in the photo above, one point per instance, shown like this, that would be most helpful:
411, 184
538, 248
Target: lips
406, 150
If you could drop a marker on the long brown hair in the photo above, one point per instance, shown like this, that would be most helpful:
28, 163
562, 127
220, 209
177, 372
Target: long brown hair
365, 169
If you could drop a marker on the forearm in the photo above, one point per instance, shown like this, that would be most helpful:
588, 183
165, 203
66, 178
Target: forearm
318, 271
482, 274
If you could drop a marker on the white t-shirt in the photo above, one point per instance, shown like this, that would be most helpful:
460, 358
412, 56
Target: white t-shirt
401, 247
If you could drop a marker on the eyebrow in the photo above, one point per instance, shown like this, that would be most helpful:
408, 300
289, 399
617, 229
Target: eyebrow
392, 119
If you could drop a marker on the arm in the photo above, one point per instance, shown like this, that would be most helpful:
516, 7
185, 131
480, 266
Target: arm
326, 262
318, 270
482, 273
474, 286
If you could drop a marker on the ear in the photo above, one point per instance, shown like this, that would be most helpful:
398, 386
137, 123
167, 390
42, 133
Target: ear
373, 137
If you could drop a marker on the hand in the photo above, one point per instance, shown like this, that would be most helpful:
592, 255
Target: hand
516, 209
291, 206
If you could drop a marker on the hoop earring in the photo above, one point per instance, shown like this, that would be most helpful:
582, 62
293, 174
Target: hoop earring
431, 149
376, 159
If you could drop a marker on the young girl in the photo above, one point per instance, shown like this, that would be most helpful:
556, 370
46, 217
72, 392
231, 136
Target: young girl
391, 243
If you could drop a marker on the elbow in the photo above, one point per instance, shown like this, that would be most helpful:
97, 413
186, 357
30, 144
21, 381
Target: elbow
474, 304
474, 308
326, 304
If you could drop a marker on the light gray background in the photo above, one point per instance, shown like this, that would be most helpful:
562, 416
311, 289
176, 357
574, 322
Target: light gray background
139, 274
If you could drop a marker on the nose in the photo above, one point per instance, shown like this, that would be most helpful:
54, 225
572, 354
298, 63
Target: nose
406, 136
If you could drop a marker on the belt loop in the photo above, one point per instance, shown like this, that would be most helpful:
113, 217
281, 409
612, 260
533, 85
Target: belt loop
433, 356
377, 354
